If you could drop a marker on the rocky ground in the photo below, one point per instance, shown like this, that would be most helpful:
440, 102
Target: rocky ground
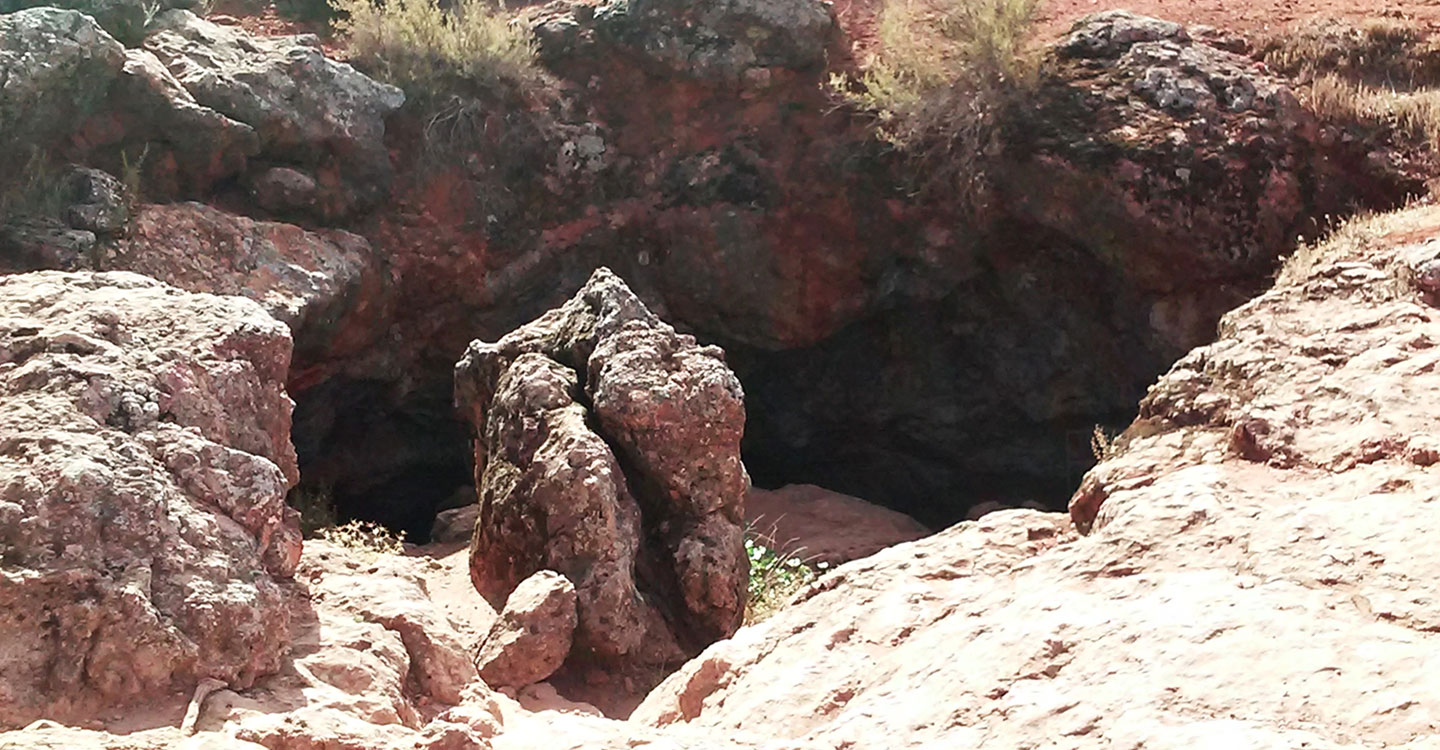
560, 341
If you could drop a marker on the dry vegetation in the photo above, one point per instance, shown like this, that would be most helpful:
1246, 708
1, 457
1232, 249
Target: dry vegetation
1383, 72
1356, 238
433, 52
35, 189
946, 73
367, 538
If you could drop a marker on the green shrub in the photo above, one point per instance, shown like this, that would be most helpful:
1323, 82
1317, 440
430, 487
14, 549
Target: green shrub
945, 76
434, 53
777, 573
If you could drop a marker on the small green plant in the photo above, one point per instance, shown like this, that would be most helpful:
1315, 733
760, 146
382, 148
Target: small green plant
365, 537
433, 52
777, 573
947, 74
132, 176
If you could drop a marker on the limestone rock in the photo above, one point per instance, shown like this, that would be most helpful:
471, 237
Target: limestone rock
122, 19
308, 110
825, 526
144, 460
181, 146
533, 635
97, 201
584, 417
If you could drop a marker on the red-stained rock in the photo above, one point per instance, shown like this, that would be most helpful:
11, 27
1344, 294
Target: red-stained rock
567, 474
532, 636
818, 525
144, 460
309, 280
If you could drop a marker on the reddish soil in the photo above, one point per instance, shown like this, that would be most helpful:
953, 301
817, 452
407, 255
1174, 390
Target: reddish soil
1252, 18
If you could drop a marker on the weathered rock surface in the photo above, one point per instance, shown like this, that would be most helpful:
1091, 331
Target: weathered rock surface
144, 460
373, 663
1267, 512
823, 526
629, 482
723, 40
181, 147
310, 112
533, 635
308, 280
122, 19
56, 67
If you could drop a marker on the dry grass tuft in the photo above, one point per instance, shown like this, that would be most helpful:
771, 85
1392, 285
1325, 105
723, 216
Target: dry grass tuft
945, 76
433, 52
1383, 72
368, 538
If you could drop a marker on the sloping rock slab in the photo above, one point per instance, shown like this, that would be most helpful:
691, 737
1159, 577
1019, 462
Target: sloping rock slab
144, 460
308, 280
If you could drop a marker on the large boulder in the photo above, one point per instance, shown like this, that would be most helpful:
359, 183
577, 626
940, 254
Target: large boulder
721, 41
56, 67
144, 461
607, 449
310, 112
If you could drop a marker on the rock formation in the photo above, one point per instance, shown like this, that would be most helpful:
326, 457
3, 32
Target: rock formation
533, 635
607, 449
144, 460
1268, 511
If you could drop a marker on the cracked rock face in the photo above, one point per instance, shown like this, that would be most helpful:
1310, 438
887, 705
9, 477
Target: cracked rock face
607, 450
144, 460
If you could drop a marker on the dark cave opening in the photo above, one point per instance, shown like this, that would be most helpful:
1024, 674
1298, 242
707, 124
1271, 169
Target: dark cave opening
381, 454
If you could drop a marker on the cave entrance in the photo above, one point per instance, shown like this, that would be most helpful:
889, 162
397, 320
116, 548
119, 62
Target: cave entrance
370, 451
